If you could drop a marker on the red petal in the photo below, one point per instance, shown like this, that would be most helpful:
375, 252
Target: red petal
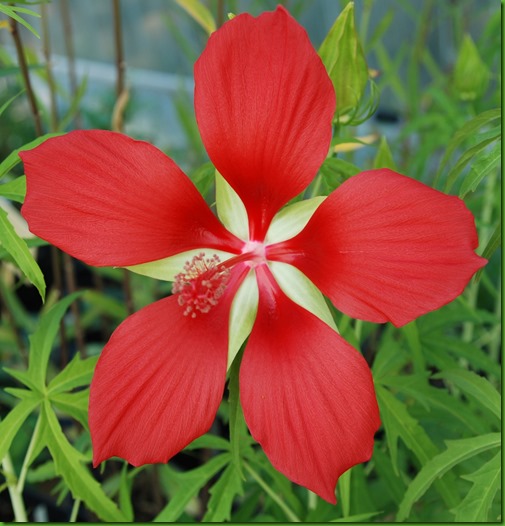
307, 395
264, 105
109, 200
159, 381
386, 247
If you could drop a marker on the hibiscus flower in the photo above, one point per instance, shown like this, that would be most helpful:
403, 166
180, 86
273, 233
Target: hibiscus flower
382, 247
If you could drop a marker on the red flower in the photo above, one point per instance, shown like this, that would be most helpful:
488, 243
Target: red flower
382, 247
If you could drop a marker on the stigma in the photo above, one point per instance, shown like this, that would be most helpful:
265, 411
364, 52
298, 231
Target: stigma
201, 284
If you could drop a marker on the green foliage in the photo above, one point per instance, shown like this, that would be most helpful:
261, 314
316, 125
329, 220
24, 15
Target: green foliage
471, 75
345, 62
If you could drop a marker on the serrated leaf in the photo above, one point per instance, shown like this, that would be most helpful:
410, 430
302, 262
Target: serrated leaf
13, 158
223, 494
400, 424
68, 465
457, 451
468, 131
467, 156
481, 167
76, 374
42, 340
19, 252
14, 190
475, 386
344, 60
188, 485
477, 503
11, 424
73, 404
200, 13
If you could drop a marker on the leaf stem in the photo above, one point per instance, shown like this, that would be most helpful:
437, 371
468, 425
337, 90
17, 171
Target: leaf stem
75, 510
26, 462
289, 513
18, 506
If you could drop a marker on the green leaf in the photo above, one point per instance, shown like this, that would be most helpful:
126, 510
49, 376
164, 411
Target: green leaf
11, 424
238, 429
400, 424
188, 485
223, 494
335, 171
18, 249
493, 243
14, 190
68, 465
457, 451
344, 60
42, 340
209, 441
471, 75
13, 158
361, 517
475, 386
76, 374
486, 163
199, 12
467, 156
7, 104
384, 157
73, 404
12, 12
125, 492
476, 505
468, 131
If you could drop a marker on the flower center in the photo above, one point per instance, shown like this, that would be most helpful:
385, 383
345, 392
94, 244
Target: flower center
204, 279
201, 284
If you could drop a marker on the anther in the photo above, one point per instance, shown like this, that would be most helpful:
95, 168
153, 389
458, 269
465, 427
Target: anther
201, 284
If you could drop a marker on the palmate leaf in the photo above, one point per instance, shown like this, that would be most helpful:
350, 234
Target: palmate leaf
19, 252
400, 424
11, 424
466, 132
223, 493
76, 374
475, 386
68, 465
457, 451
188, 484
475, 507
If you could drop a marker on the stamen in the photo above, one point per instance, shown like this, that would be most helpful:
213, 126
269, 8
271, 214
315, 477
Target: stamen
201, 284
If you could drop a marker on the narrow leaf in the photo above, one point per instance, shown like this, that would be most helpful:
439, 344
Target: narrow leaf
457, 451
11, 424
189, 484
68, 464
42, 340
475, 386
223, 494
77, 373
19, 252
14, 190
199, 12
477, 503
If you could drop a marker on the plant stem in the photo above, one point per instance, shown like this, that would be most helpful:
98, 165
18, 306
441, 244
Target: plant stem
68, 268
69, 47
289, 513
18, 506
13, 26
46, 45
26, 462
75, 510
